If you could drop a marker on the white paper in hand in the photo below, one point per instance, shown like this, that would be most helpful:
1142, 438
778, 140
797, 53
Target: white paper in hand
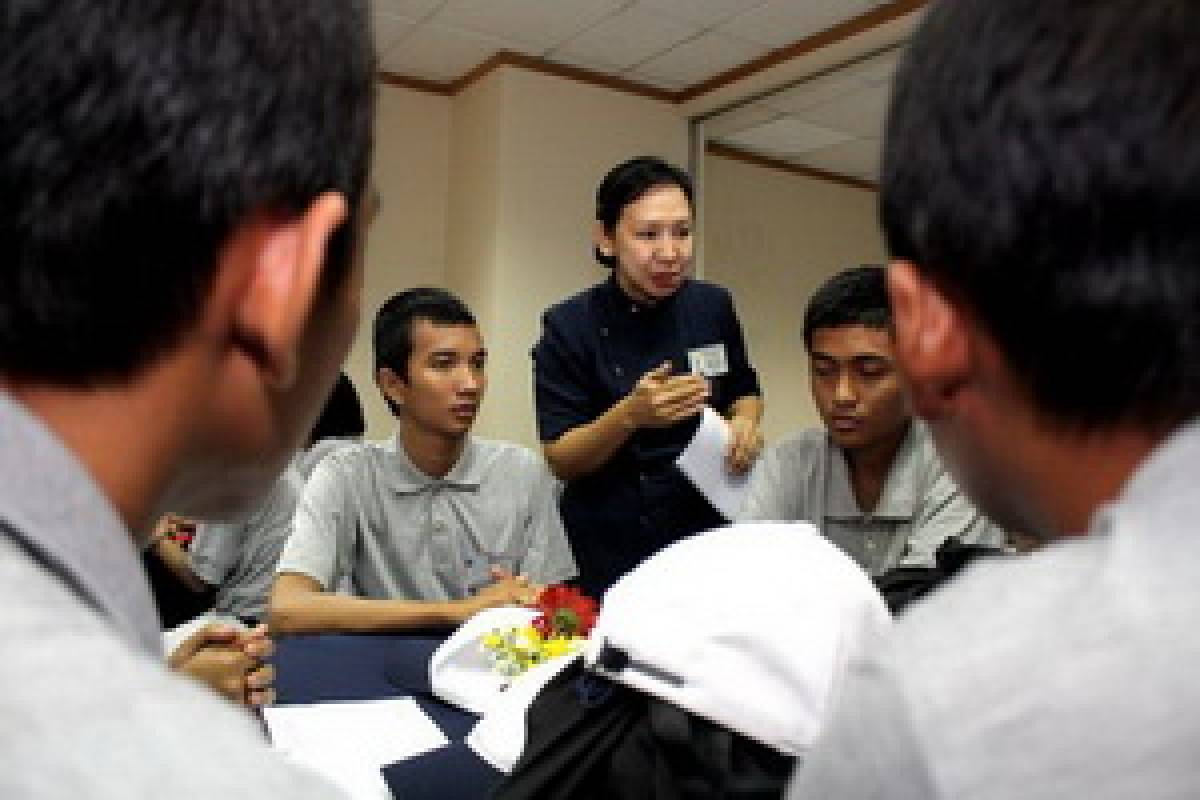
705, 463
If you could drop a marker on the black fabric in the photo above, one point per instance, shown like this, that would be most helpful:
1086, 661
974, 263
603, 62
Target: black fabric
588, 738
176, 601
593, 349
902, 586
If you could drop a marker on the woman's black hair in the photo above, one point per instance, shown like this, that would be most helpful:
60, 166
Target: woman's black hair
627, 182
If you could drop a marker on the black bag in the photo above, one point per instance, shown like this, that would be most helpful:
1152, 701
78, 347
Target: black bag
590, 738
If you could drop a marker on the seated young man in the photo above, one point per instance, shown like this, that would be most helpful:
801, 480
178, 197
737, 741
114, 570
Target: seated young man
181, 191
870, 479
1040, 192
431, 525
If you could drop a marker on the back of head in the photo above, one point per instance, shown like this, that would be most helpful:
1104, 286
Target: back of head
626, 183
1041, 167
393, 335
134, 137
854, 296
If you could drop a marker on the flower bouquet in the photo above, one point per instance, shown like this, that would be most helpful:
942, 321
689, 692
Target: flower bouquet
566, 618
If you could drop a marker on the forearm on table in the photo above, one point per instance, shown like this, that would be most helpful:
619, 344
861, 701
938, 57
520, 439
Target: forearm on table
586, 448
299, 605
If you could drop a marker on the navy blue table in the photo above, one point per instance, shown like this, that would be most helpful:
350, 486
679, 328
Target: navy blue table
329, 667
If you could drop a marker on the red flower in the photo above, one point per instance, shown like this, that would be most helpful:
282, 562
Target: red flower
566, 611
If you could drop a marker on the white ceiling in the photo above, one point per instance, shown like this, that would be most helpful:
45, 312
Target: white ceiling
669, 44
832, 122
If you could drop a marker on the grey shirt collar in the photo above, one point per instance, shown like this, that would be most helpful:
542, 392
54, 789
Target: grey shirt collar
406, 478
899, 498
52, 507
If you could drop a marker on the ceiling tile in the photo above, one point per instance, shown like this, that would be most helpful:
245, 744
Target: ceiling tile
626, 39
786, 136
860, 113
739, 119
438, 53
405, 8
702, 12
857, 158
777, 23
813, 92
537, 25
699, 59
877, 69
389, 29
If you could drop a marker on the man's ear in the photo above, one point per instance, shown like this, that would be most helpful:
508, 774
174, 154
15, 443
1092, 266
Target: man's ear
286, 258
602, 240
933, 347
392, 385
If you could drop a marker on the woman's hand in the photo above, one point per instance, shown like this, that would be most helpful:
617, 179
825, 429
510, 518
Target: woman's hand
746, 441
660, 399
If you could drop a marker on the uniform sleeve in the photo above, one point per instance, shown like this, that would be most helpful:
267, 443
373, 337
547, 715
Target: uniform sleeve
869, 748
323, 529
773, 494
944, 513
743, 378
565, 389
549, 558
215, 550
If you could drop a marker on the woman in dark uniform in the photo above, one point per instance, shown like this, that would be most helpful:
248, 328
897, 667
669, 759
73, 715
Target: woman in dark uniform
623, 370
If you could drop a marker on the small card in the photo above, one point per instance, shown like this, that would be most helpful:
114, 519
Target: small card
709, 361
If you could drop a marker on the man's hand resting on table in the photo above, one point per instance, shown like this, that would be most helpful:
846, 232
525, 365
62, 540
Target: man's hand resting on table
230, 662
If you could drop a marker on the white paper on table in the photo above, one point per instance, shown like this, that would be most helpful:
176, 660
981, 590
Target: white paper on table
705, 463
350, 742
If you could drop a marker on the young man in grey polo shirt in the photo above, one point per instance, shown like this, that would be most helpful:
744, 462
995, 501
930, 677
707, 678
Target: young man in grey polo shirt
181, 191
434, 524
870, 478
1040, 194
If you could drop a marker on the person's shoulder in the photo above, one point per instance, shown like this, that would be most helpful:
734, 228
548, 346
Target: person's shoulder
504, 455
802, 446
574, 306
708, 292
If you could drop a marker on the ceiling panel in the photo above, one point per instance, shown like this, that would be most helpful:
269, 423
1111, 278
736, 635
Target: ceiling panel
739, 119
858, 158
699, 59
813, 92
782, 22
786, 136
626, 39
438, 53
860, 112
538, 25
703, 12
389, 29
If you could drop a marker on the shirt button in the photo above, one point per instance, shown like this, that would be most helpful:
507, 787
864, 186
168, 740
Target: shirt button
619, 372
439, 526
604, 331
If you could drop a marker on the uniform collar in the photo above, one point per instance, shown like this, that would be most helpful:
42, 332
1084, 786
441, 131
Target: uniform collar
407, 478
61, 516
899, 499
626, 306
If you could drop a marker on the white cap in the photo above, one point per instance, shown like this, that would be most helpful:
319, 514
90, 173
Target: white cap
750, 626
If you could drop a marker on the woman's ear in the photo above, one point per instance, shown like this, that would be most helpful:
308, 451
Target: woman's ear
286, 259
604, 243
933, 343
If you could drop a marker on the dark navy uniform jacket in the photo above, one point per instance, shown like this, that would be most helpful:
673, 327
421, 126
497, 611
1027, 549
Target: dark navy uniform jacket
594, 348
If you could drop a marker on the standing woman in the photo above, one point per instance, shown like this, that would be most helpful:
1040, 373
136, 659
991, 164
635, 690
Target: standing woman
623, 370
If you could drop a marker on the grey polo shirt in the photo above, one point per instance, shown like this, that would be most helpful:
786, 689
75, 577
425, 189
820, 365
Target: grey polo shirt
805, 477
239, 558
1066, 673
368, 513
86, 707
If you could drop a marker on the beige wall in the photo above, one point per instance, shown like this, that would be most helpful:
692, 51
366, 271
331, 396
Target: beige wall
524, 177
490, 193
406, 245
772, 238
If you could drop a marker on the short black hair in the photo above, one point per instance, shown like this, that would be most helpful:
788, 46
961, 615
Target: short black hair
393, 338
134, 138
626, 183
342, 416
854, 296
1041, 165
